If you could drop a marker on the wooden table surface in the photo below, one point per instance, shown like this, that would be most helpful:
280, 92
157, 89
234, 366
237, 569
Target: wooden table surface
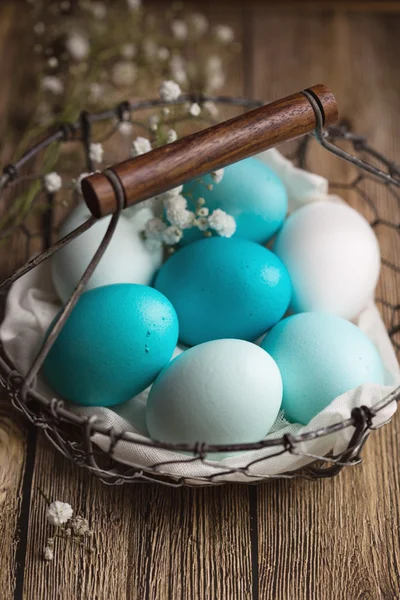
288, 540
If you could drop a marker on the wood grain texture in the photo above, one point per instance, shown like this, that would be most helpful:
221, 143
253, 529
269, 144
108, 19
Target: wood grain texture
339, 538
328, 540
210, 149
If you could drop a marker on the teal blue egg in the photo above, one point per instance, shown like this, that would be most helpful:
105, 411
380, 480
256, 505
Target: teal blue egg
250, 192
224, 288
320, 357
115, 342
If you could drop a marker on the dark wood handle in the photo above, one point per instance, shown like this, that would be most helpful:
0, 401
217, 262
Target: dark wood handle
195, 155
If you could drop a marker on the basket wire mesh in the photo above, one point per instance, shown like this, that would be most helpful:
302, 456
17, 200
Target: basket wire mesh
71, 433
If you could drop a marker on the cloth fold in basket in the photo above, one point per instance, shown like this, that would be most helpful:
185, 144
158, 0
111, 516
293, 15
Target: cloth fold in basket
32, 304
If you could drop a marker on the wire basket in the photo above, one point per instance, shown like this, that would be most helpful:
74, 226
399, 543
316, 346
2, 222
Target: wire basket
71, 433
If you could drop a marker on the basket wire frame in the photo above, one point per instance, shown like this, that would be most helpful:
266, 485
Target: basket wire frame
71, 433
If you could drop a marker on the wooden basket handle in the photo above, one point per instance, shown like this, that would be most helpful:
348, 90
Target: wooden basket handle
195, 155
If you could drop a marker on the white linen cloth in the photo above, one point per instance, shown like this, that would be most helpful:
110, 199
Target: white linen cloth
32, 304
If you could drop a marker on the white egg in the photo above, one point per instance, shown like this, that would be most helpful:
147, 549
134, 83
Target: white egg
332, 256
126, 260
219, 392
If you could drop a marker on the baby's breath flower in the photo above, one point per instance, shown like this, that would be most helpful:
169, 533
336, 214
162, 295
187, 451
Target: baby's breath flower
175, 202
177, 66
172, 136
214, 63
169, 91
78, 182
177, 213
155, 228
165, 111
128, 50
203, 212
163, 53
96, 152
52, 182
179, 29
80, 525
212, 108
58, 513
39, 28
224, 33
172, 235
78, 46
98, 9
171, 193
202, 223
134, 5
217, 175
199, 23
52, 84
95, 91
125, 128
154, 121
195, 110
48, 553
52, 62
140, 145
123, 73
222, 223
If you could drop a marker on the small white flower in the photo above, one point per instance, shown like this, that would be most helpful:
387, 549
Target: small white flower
165, 111
96, 152
78, 46
216, 81
134, 5
169, 91
177, 213
128, 50
58, 513
53, 62
163, 53
217, 175
203, 212
99, 10
125, 128
39, 28
170, 194
123, 73
172, 136
155, 228
199, 23
52, 182
78, 182
195, 110
96, 91
222, 223
224, 33
80, 525
140, 145
150, 48
154, 121
212, 108
214, 63
177, 65
202, 223
172, 235
48, 553
52, 84
179, 29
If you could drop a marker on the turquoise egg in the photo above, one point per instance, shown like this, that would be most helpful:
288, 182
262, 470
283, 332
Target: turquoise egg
250, 192
224, 288
114, 344
320, 356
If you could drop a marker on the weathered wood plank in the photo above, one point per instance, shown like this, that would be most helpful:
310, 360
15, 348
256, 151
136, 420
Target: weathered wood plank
339, 538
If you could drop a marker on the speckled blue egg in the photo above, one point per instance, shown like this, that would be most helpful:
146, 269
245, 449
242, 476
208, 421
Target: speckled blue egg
114, 344
224, 288
320, 356
249, 191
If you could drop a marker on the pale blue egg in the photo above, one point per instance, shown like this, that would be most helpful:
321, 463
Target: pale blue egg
250, 192
224, 288
220, 392
320, 356
114, 344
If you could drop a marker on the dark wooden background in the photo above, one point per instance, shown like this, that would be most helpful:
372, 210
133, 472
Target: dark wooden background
288, 540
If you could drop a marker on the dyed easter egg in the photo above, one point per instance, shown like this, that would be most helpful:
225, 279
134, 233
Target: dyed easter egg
250, 192
220, 392
320, 357
224, 288
332, 256
126, 259
115, 342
